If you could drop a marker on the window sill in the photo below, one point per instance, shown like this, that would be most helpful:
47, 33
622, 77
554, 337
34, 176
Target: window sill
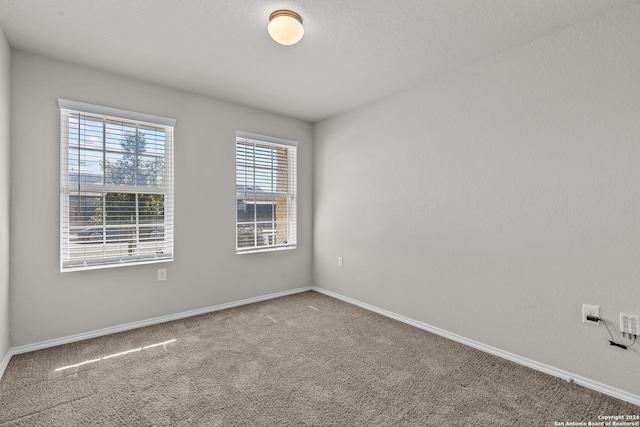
113, 265
268, 249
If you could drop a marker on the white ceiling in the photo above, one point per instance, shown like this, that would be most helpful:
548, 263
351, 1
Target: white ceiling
353, 52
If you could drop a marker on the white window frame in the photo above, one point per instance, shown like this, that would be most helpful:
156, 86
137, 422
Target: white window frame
132, 256
290, 195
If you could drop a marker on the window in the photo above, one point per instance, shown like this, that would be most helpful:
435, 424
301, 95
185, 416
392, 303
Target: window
265, 193
116, 198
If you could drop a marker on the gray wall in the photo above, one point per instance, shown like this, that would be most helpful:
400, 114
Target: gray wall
495, 201
47, 304
5, 56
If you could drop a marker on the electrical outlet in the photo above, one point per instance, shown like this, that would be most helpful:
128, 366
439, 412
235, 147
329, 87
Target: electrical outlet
630, 324
590, 310
339, 261
162, 274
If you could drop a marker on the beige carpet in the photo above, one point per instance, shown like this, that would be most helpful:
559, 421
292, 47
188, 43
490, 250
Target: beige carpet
305, 359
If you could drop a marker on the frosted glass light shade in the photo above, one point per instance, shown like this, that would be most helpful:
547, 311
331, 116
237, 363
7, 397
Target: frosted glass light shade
285, 27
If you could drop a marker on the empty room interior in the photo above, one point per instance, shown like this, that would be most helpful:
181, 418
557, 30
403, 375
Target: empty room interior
462, 171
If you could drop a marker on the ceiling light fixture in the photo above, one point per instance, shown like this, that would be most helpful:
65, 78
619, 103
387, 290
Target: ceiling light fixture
285, 27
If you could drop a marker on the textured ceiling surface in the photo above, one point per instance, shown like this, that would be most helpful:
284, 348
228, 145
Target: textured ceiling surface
353, 52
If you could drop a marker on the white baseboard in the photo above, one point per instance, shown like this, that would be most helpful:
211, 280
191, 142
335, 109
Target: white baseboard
5, 363
567, 376
126, 327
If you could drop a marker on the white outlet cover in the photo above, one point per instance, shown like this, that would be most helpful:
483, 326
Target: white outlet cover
590, 310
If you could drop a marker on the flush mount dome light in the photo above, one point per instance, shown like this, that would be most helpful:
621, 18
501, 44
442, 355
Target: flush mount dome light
285, 27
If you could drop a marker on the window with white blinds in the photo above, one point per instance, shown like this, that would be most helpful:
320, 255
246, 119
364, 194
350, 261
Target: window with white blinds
265, 193
116, 196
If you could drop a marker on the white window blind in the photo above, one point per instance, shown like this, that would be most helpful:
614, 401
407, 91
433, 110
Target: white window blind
116, 176
265, 193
